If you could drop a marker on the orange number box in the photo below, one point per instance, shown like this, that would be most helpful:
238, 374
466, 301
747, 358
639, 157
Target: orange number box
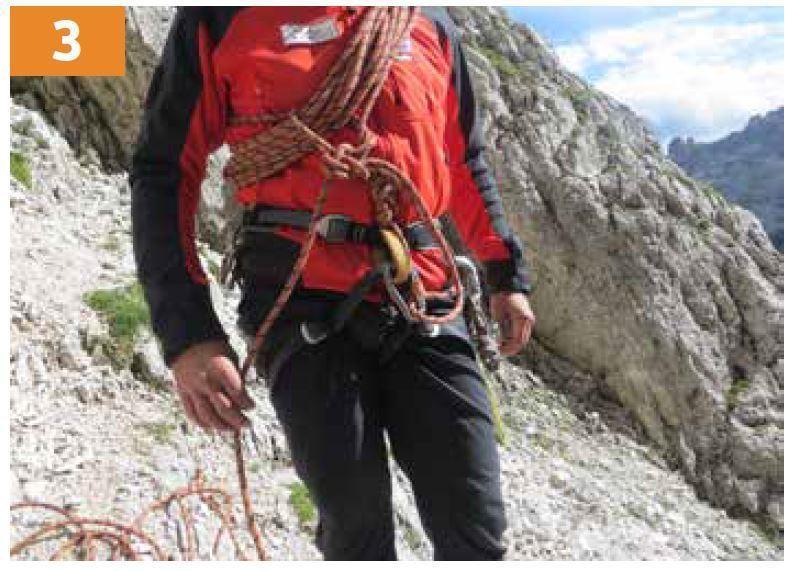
68, 40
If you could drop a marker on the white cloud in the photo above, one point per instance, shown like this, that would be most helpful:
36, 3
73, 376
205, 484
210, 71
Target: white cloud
693, 73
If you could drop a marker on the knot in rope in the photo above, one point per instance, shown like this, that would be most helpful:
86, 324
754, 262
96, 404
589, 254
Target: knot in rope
345, 163
344, 160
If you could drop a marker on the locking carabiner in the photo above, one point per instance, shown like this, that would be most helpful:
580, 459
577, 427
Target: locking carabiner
398, 252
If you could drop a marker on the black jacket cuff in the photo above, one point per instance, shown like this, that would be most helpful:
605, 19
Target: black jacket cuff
182, 317
507, 276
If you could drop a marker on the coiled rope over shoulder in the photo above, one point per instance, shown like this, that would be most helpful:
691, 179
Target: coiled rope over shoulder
345, 98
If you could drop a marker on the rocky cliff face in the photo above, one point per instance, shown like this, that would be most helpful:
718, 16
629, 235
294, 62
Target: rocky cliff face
651, 291
95, 114
670, 296
746, 166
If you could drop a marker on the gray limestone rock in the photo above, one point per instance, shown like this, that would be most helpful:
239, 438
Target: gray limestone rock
672, 298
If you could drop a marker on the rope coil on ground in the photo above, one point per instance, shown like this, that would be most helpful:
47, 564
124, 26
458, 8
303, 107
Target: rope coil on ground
86, 538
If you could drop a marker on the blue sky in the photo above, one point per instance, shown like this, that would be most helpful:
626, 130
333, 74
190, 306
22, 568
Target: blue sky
690, 71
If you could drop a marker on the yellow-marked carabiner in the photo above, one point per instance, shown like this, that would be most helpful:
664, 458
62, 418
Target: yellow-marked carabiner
399, 253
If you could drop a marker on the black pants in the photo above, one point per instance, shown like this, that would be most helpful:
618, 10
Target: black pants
336, 400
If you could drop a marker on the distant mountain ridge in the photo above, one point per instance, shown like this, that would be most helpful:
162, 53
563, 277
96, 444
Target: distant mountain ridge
747, 166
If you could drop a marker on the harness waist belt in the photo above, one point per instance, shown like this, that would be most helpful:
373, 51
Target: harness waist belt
333, 228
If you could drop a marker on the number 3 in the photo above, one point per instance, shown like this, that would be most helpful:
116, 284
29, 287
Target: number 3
69, 39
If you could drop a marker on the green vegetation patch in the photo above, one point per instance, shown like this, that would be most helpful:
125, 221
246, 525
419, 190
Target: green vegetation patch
162, 432
112, 243
20, 170
300, 500
214, 268
580, 99
412, 537
770, 531
500, 62
704, 224
125, 311
713, 194
736, 390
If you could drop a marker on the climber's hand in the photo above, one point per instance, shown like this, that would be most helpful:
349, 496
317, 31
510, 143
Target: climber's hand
210, 388
515, 319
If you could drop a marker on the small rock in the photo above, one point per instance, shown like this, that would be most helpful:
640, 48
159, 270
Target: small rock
35, 490
148, 365
70, 354
559, 479
82, 394
748, 491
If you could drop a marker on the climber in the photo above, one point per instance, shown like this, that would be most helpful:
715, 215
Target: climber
347, 203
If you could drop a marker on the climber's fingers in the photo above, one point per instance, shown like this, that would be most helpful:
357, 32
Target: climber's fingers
189, 406
207, 417
515, 319
223, 375
227, 411
516, 337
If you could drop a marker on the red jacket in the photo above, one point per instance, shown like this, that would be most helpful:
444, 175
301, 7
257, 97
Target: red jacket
220, 62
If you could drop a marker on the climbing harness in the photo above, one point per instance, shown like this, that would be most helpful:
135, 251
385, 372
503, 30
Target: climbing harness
380, 329
346, 98
264, 220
